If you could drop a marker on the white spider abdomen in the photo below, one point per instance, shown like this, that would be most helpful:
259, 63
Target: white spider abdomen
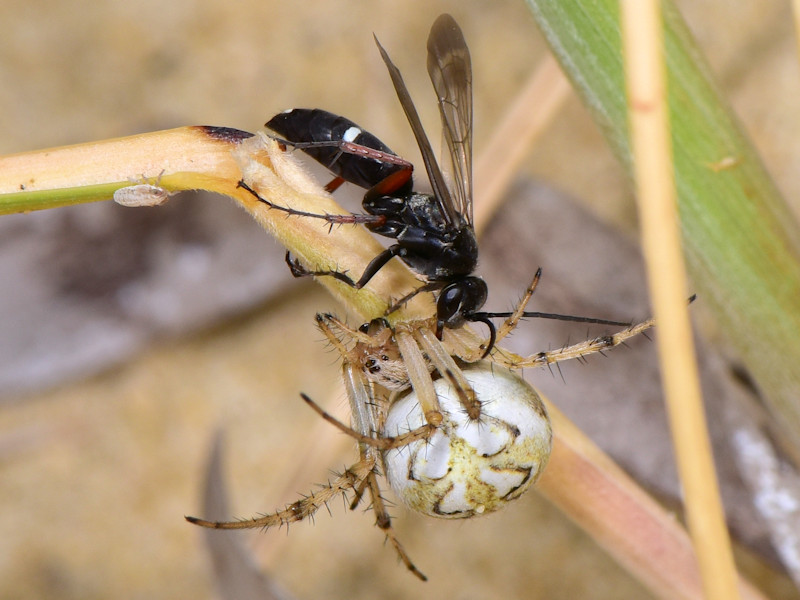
470, 467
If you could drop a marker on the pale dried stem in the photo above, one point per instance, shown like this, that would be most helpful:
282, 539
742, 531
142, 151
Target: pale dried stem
642, 30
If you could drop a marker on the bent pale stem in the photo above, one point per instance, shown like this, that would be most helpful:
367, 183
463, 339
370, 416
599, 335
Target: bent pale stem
215, 159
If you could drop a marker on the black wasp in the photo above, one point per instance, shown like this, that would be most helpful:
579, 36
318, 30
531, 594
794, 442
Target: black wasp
434, 232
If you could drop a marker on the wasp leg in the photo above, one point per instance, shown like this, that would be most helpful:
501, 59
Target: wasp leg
375, 265
299, 270
348, 148
351, 219
431, 286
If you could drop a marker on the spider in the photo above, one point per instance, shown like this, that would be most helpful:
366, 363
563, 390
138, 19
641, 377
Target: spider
455, 434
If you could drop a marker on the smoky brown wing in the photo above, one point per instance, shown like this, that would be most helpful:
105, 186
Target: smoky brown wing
440, 190
450, 70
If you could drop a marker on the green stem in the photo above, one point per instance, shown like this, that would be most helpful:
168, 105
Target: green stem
742, 243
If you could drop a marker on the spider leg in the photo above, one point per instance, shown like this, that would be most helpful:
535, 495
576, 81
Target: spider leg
381, 443
579, 350
368, 418
384, 523
420, 377
359, 494
447, 367
352, 478
367, 334
513, 320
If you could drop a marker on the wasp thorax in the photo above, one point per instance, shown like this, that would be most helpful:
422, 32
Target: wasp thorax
470, 467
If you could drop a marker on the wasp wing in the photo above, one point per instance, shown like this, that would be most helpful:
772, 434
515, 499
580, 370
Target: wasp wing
440, 189
450, 70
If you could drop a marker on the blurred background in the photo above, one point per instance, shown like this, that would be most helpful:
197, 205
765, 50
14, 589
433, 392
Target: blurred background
129, 338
